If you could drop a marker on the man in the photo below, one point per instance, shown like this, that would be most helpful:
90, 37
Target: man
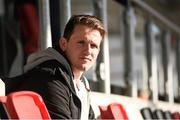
57, 73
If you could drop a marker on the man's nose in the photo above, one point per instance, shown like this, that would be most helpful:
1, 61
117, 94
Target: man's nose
87, 48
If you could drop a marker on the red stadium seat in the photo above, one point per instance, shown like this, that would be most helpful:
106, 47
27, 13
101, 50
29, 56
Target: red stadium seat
104, 112
113, 111
176, 116
25, 105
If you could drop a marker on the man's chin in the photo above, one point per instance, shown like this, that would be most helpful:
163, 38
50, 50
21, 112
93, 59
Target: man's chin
85, 68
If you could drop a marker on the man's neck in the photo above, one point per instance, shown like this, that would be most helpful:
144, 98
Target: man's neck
77, 74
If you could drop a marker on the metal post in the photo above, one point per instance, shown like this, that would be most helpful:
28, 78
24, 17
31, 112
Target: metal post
65, 13
4, 59
148, 47
129, 37
45, 26
164, 61
170, 61
103, 68
151, 58
2, 11
178, 65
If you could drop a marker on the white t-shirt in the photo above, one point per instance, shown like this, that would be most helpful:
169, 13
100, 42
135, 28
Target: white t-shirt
83, 95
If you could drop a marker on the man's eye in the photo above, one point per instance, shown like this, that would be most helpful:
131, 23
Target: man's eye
80, 42
94, 46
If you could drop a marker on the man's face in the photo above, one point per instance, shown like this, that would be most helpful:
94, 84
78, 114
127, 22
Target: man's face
82, 48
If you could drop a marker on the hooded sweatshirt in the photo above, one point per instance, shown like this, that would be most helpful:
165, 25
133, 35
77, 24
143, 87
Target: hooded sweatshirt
48, 73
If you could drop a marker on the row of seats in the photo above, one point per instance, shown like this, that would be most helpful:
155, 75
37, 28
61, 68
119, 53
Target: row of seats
147, 113
117, 111
29, 105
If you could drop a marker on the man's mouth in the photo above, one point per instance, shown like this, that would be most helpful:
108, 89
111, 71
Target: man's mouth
86, 59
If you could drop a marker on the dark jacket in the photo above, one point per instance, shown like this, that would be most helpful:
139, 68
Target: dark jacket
49, 74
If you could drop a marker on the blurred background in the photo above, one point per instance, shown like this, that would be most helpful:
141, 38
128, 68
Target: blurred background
139, 58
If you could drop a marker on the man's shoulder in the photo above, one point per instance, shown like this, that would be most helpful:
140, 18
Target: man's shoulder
50, 64
45, 69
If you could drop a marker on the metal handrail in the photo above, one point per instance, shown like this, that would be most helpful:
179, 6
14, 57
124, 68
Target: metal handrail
166, 22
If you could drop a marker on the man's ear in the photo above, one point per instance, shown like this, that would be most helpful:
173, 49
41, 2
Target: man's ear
63, 43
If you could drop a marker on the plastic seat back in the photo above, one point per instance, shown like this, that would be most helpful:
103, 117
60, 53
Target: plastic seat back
104, 112
26, 105
167, 115
176, 115
158, 114
147, 113
113, 111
